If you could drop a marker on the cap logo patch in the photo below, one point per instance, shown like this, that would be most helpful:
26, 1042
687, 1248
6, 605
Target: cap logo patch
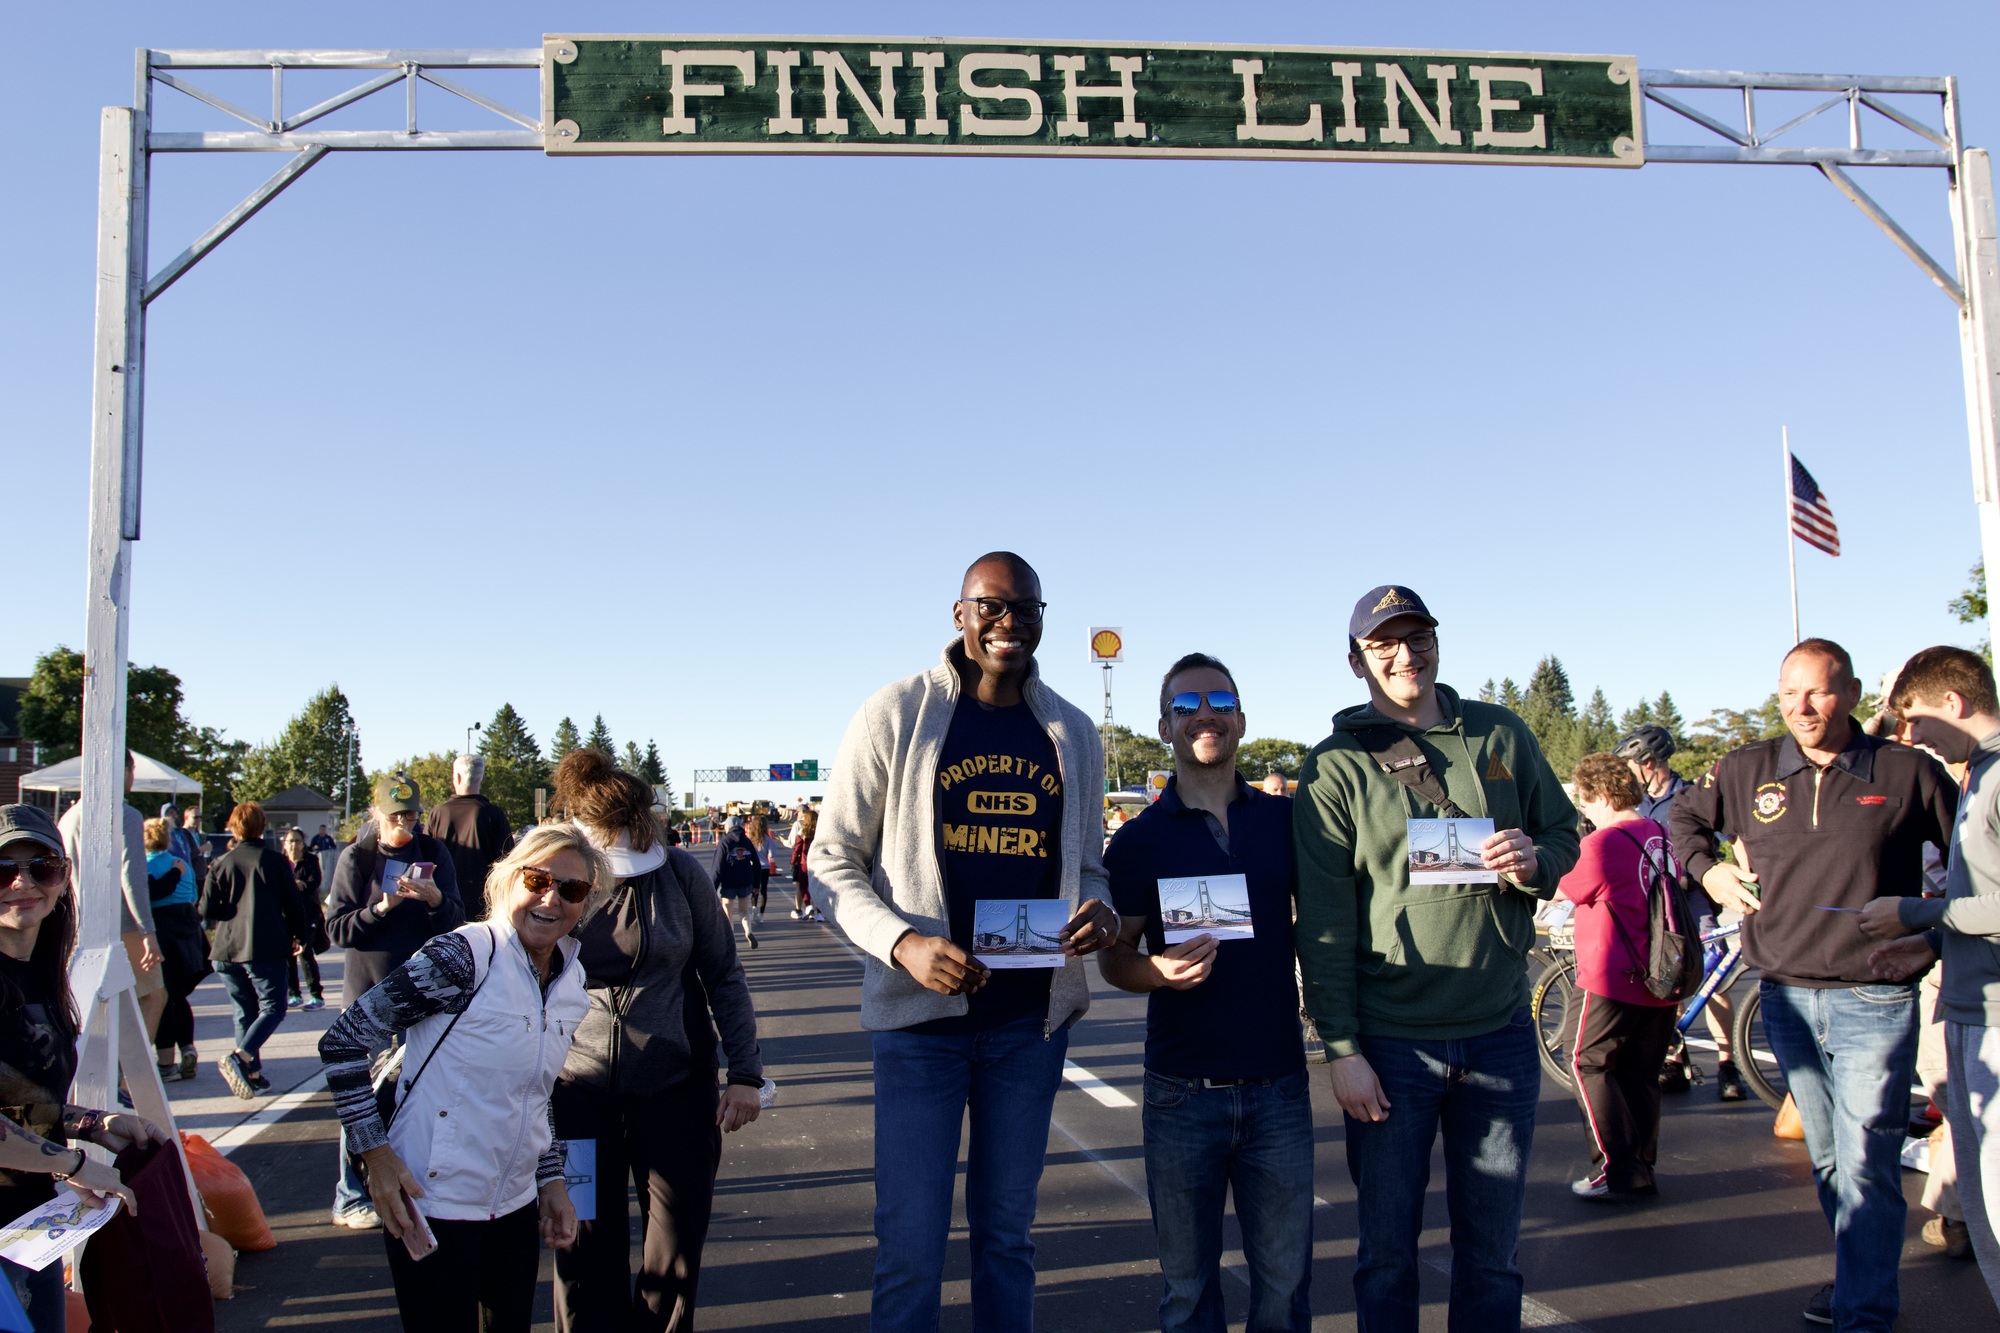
1769, 803
1389, 599
402, 791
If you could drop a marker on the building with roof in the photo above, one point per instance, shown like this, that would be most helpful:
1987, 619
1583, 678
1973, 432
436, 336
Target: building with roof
18, 755
304, 808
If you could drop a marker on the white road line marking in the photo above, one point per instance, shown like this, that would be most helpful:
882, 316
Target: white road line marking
248, 1129
1533, 1313
1100, 1091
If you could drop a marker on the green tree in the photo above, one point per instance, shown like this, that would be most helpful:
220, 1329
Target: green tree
1635, 717
1128, 756
1487, 694
1724, 730
51, 709
1595, 730
1252, 756
1667, 716
431, 773
600, 738
311, 751
566, 739
633, 759
1970, 605
216, 762
653, 771
1549, 709
514, 765
1510, 695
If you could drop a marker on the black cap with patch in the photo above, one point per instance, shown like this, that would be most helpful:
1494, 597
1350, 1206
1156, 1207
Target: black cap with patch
1379, 606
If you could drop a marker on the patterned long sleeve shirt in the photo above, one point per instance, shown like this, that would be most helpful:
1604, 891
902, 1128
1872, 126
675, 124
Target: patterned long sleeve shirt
438, 979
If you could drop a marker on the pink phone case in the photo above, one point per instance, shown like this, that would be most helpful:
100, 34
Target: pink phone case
420, 1240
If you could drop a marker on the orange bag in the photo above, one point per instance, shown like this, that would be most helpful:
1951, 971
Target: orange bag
233, 1211
1788, 1125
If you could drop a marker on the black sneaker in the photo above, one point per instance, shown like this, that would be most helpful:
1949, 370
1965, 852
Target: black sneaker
1673, 1078
234, 1073
1819, 1310
1728, 1083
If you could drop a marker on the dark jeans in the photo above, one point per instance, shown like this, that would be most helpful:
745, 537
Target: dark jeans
1616, 1065
184, 961
1849, 1056
1252, 1141
669, 1146
1008, 1075
257, 989
40, 1292
480, 1279
1481, 1091
307, 964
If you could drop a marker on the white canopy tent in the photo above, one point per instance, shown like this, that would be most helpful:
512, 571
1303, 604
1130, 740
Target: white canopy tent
147, 775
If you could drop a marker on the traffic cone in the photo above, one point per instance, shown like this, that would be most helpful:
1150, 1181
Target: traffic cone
1788, 1125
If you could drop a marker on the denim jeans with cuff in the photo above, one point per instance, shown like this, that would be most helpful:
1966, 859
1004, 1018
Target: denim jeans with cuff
1253, 1142
1481, 1092
1850, 1054
1008, 1075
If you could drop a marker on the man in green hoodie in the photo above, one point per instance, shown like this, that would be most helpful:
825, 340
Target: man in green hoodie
1420, 991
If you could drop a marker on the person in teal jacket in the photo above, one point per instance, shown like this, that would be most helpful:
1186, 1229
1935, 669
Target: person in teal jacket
1420, 991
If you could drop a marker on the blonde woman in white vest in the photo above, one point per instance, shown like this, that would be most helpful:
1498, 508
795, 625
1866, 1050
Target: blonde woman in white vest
467, 1175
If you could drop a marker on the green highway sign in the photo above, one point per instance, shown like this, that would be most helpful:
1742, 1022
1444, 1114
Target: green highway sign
709, 94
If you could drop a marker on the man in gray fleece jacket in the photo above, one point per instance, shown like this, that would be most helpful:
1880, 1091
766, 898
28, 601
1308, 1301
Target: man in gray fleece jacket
964, 813
1947, 696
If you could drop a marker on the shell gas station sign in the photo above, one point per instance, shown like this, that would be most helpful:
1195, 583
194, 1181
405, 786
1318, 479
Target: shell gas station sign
1107, 645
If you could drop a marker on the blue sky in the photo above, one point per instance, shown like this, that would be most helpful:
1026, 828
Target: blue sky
703, 445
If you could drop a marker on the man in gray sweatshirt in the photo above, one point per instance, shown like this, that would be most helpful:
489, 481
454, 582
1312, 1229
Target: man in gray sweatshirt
1948, 697
964, 818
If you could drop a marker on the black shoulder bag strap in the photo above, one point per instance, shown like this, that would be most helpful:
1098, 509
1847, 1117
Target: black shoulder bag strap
389, 1113
1397, 753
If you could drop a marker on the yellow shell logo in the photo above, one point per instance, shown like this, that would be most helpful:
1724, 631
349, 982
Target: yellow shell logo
1104, 643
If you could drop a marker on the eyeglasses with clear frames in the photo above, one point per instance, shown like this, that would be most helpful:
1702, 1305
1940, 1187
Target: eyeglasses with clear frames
1383, 650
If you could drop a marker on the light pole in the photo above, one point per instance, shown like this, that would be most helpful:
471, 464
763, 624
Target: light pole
347, 780
468, 736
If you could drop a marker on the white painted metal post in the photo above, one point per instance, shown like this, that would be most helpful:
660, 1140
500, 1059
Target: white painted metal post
114, 525
1979, 344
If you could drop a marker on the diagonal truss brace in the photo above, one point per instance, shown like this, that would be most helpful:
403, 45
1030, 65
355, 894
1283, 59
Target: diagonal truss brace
252, 204
1904, 241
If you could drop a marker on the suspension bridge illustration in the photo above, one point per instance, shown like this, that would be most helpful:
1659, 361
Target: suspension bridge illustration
1217, 905
1019, 932
1446, 851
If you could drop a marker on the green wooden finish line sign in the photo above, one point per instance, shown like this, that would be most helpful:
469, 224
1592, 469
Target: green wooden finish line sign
708, 94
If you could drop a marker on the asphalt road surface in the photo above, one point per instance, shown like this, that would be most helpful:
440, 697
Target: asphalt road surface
1736, 1240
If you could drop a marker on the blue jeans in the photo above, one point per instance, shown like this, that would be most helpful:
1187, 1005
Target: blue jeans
1482, 1092
1255, 1142
40, 1292
257, 989
923, 1084
1849, 1055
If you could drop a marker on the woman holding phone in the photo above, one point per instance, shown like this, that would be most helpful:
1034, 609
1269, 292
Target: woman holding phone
467, 1174
38, 1029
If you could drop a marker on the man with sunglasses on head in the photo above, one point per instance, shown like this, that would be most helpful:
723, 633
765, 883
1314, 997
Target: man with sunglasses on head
1420, 991
1227, 1110
971, 783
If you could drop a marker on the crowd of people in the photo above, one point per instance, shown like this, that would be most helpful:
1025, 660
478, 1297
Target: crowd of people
517, 1004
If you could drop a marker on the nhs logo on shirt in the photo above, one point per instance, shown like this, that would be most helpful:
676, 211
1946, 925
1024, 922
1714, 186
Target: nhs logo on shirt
1000, 803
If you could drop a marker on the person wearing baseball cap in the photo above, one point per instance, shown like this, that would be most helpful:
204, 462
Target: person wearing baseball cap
38, 1030
1420, 991
394, 888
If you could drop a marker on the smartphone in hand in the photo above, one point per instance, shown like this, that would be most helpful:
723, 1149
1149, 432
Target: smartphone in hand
418, 1238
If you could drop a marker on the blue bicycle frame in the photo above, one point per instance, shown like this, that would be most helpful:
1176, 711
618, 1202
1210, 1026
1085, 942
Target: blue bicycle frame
1718, 978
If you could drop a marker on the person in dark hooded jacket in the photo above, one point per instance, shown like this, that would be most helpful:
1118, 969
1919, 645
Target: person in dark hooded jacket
252, 907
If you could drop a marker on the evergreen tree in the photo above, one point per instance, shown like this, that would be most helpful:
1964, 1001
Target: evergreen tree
514, 765
633, 760
600, 738
1668, 716
1635, 717
651, 769
1549, 709
1510, 695
312, 751
565, 740
1487, 694
1595, 729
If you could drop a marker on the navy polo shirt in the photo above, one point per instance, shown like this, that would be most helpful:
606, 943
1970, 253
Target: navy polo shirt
1243, 1022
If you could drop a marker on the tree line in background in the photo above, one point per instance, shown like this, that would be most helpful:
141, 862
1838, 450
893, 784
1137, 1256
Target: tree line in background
320, 747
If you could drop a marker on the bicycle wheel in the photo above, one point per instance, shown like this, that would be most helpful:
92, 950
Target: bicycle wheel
1552, 1005
1754, 1060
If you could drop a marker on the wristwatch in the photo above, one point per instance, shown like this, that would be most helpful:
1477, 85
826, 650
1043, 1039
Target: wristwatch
82, 1160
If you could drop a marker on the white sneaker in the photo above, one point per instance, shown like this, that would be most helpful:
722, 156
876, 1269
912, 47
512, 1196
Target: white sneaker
361, 1219
795, 914
1589, 1189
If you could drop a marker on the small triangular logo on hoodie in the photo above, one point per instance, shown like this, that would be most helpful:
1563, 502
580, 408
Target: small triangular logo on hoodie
1497, 771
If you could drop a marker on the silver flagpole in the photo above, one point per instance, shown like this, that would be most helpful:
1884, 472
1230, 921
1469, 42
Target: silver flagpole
1791, 547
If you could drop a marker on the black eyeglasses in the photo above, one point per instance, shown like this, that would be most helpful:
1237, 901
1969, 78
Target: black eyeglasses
1188, 702
1383, 650
539, 880
43, 872
995, 608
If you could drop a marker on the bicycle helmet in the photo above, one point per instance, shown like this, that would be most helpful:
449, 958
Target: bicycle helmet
1647, 743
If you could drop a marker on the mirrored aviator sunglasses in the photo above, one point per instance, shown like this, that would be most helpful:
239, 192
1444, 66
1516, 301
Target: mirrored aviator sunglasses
42, 872
538, 880
1188, 703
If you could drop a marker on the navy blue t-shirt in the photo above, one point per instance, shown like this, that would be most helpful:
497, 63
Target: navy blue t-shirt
1243, 1022
999, 804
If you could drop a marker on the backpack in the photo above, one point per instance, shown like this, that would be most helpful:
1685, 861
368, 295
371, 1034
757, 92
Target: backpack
1671, 963
739, 864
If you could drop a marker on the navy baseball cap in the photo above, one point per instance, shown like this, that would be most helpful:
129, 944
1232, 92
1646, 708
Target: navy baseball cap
1378, 606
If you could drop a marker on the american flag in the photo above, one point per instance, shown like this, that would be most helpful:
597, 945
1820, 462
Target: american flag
1812, 517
